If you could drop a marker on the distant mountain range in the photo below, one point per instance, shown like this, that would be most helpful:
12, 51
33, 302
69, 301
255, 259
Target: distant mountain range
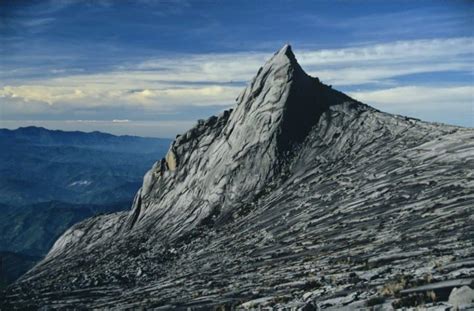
40, 165
50, 178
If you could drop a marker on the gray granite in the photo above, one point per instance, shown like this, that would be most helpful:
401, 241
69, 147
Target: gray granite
300, 197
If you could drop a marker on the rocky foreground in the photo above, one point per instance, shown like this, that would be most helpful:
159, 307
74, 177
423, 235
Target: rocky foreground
300, 197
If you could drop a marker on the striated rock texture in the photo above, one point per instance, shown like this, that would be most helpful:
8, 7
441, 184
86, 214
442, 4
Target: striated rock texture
299, 197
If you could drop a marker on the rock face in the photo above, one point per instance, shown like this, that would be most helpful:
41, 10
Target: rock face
299, 197
226, 161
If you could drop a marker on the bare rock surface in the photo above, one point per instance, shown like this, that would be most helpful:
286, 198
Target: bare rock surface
300, 197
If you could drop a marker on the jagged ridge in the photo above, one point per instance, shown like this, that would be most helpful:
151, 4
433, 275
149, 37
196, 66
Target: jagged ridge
300, 195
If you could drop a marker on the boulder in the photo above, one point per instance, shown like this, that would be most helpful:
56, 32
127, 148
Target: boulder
461, 297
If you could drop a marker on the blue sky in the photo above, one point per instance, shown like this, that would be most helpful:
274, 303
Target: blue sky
153, 68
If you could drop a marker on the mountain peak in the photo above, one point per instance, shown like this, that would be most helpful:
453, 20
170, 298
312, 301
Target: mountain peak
282, 57
286, 50
214, 160
296, 99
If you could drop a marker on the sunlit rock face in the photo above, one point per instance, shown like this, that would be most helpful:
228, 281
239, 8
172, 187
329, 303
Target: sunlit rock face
298, 197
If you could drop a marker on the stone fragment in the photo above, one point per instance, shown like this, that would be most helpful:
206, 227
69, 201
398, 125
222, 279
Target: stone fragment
462, 297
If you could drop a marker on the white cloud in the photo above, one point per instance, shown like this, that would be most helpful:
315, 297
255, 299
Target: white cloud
348, 66
79, 94
393, 52
42, 93
172, 83
428, 97
452, 105
197, 96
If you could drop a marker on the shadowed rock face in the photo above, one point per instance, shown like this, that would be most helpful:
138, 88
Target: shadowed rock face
298, 196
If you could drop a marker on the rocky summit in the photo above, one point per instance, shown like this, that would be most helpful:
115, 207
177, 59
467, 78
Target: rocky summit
299, 197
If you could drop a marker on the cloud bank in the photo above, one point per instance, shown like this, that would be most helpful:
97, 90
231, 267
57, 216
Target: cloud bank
376, 74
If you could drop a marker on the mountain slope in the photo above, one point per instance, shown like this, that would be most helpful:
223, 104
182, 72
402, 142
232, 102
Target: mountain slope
13, 265
301, 196
33, 229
